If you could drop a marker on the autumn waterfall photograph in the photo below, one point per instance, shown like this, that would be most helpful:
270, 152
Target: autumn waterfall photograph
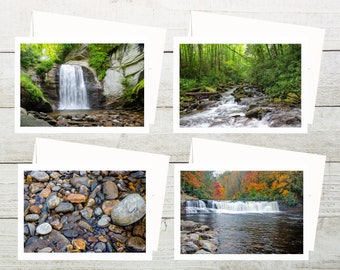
241, 212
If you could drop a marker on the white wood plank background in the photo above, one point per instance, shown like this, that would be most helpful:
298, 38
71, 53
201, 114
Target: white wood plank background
323, 136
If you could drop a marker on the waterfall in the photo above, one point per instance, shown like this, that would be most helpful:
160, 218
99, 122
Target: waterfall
199, 206
72, 90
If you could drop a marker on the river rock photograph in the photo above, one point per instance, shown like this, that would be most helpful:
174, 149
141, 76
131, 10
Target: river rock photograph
239, 86
84, 212
241, 212
81, 85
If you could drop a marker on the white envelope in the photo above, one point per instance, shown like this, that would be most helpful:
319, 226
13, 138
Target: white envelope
48, 151
215, 152
46, 24
214, 25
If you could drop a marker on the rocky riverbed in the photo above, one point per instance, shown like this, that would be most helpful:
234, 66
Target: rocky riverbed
84, 211
88, 118
197, 238
239, 106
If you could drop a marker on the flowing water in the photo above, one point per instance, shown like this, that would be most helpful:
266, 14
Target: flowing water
229, 113
72, 90
250, 227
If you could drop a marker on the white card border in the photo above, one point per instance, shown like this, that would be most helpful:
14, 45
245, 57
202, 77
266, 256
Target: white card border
235, 40
80, 256
65, 39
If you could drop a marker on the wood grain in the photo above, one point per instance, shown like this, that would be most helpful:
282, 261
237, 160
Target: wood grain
174, 15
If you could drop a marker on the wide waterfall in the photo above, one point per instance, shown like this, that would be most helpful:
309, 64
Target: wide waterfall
72, 90
211, 206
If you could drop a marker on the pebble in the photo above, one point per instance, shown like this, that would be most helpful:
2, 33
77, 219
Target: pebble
45, 250
139, 174
131, 209
104, 221
55, 175
85, 225
56, 188
45, 192
76, 198
110, 190
71, 233
40, 176
98, 211
79, 244
36, 187
35, 209
108, 206
64, 207
44, 229
31, 228
56, 224
99, 247
77, 181
87, 213
52, 201
32, 217
136, 244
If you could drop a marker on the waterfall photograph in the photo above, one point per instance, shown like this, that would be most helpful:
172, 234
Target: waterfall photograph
241, 212
239, 85
82, 85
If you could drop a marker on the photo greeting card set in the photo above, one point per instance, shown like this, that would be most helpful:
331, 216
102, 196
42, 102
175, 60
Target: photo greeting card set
232, 201
86, 69
132, 174
249, 190
243, 75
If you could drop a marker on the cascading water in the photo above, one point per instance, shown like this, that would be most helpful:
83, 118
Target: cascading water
72, 90
199, 206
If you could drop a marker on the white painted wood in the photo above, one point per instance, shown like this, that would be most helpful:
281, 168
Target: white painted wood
323, 136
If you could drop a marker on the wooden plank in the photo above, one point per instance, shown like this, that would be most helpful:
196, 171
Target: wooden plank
174, 17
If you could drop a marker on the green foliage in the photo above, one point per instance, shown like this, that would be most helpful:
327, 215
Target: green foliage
133, 94
100, 58
35, 92
275, 67
28, 57
44, 66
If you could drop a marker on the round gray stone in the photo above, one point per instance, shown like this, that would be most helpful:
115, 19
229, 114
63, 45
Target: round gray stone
52, 201
40, 176
131, 209
32, 217
44, 228
104, 221
64, 207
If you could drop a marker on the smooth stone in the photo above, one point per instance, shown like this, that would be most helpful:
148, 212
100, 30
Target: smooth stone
139, 230
77, 181
79, 244
131, 209
76, 198
40, 176
110, 190
35, 209
85, 225
52, 201
87, 213
208, 246
108, 206
104, 221
36, 187
139, 174
64, 207
55, 175
59, 241
56, 224
135, 244
45, 250
188, 225
32, 217
98, 211
202, 251
189, 248
56, 188
83, 190
99, 247
71, 233
44, 229
45, 192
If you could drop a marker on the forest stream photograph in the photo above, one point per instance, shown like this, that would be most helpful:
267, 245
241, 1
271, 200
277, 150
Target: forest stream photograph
240, 85
241, 212
81, 85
